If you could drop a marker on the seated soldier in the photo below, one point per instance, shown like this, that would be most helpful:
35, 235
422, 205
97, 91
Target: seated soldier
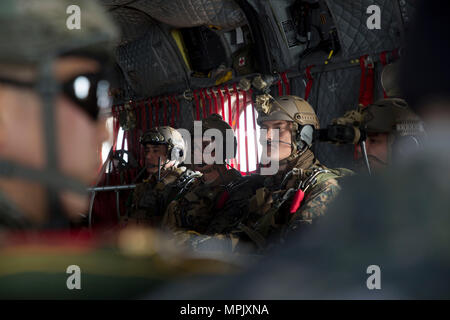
268, 207
164, 151
272, 206
196, 209
393, 132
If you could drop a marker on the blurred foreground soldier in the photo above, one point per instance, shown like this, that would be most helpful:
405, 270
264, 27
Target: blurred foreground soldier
164, 149
387, 236
53, 86
51, 90
197, 208
302, 188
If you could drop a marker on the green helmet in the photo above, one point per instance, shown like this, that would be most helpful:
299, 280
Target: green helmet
166, 136
33, 30
294, 109
393, 116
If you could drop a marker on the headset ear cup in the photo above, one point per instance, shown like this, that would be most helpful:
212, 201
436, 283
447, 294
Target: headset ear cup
176, 154
306, 135
405, 146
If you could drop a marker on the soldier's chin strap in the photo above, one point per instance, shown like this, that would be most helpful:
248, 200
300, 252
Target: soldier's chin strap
364, 152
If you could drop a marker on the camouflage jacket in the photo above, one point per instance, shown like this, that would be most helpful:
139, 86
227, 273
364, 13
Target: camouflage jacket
150, 198
196, 208
258, 211
290, 200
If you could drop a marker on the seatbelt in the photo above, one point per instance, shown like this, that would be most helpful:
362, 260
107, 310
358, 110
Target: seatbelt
286, 83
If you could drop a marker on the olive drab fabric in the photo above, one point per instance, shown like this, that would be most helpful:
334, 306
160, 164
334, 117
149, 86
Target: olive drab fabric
257, 214
266, 218
165, 135
196, 209
123, 265
33, 30
151, 198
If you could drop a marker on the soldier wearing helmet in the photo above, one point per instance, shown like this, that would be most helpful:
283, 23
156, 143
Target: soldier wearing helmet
164, 150
53, 94
393, 132
208, 195
302, 188
263, 209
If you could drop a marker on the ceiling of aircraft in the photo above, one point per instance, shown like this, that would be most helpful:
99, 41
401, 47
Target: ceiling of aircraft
329, 52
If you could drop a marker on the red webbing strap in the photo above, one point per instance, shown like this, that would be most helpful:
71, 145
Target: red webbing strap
197, 105
280, 88
143, 118
383, 60
209, 101
156, 104
245, 128
297, 201
178, 110
149, 105
222, 102
255, 136
133, 142
116, 126
124, 137
164, 110
396, 54
237, 124
310, 81
214, 97
366, 85
172, 110
202, 98
230, 121
286, 83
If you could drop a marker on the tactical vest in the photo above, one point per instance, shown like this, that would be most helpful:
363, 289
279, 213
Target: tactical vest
150, 198
272, 206
195, 209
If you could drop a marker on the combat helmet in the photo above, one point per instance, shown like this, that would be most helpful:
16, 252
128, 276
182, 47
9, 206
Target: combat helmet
394, 117
176, 147
290, 108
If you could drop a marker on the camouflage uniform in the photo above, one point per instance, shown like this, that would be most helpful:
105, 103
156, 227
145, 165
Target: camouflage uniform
196, 209
150, 198
258, 212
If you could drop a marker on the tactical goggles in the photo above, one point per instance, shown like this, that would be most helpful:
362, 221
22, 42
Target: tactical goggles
89, 91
